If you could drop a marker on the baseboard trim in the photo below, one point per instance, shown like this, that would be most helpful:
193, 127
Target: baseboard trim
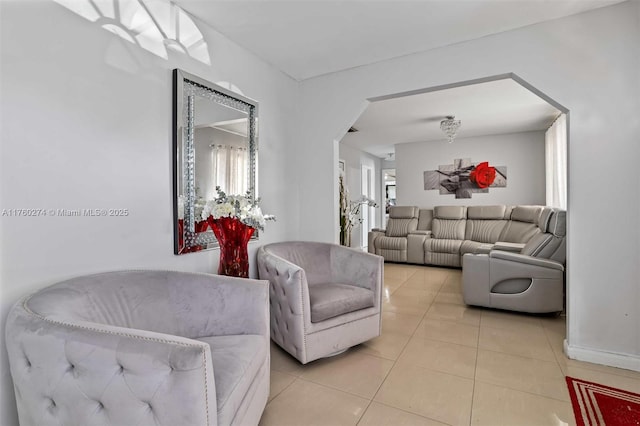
628, 362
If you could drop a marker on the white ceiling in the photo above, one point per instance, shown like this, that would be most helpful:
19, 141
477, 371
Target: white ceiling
307, 38
495, 107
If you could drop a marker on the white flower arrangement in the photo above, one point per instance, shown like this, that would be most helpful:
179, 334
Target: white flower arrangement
242, 207
350, 216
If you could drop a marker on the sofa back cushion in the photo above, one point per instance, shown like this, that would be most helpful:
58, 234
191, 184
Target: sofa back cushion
449, 222
402, 220
403, 212
485, 223
401, 227
486, 212
450, 212
523, 224
549, 244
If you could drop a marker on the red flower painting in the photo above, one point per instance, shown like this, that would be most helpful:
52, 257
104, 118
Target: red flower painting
483, 175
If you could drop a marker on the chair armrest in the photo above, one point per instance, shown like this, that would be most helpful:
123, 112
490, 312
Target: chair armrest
289, 300
511, 247
288, 282
527, 260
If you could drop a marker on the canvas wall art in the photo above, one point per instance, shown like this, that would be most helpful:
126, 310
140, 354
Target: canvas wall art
463, 178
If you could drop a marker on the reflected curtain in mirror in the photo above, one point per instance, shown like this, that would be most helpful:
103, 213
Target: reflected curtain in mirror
230, 165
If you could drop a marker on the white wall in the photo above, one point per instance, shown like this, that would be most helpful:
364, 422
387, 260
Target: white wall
86, 123
522, 153
354, 160
589, 63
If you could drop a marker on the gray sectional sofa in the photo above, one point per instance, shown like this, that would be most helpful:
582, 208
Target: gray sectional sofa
512, 257
442, 235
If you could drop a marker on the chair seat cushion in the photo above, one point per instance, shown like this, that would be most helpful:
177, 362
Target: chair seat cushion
236, 361
329, 300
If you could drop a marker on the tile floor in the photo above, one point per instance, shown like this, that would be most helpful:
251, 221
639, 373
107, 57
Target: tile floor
437, 362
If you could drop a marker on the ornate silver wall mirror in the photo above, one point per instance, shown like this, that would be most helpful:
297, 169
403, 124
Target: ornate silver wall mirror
214, 144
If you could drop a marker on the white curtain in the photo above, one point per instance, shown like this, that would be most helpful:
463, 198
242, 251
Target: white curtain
556, 163
230, 168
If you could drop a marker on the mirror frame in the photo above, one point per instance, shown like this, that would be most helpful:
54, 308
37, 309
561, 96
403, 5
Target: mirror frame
185, 87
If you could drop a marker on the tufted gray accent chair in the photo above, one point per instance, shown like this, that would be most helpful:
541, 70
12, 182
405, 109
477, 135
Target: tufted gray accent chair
141, 348
529, 281
325, 298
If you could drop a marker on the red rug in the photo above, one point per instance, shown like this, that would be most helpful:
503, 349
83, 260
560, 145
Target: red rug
599, 405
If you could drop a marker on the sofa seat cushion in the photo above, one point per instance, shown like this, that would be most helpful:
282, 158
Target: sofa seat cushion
442, 245
391, 243
329, 300
236, 361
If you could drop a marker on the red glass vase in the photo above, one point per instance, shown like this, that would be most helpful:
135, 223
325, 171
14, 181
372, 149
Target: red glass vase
233, 237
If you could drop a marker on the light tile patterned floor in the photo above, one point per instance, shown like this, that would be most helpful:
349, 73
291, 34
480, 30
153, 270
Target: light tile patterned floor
437, 362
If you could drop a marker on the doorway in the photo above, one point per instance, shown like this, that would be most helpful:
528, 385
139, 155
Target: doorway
367, 212
388, 193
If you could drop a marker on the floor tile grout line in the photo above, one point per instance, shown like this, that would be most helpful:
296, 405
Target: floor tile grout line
518, 355
284, 389
395, 362
411, 412
521, 390
475, 370
324, 385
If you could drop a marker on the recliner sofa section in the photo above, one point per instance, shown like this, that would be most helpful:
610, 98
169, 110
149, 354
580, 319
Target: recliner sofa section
531, 280
392, 242
443, 235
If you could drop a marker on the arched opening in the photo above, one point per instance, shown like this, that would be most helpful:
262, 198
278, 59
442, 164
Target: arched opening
505, 121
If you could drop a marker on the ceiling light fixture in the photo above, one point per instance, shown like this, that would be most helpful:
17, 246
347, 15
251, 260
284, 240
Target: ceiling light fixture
450, 126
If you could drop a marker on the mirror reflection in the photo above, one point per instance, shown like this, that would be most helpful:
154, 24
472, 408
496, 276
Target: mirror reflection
214, 146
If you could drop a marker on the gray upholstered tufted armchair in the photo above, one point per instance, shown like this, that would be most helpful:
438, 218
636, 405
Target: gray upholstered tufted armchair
141, 348
324, 298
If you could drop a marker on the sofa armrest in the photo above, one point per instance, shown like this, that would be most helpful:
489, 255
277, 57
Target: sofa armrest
415, 246
484, 248
374, 234
475, 279
510, 247
420, 232
526, 260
